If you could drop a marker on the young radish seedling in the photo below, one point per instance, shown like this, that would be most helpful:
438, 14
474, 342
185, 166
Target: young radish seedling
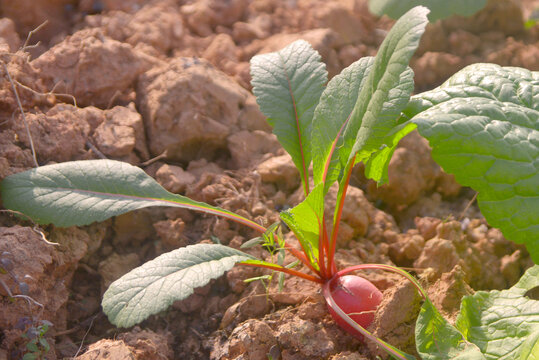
336, 126
359, 116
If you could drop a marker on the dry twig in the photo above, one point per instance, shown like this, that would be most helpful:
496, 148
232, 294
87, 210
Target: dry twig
35, 228
22, 114
467, 207
29, 36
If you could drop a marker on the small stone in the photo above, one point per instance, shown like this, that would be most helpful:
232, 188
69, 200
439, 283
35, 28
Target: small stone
247, 148
114, 266
174, 178
281, 171
121, 133
171, 233
91, 67
8, 35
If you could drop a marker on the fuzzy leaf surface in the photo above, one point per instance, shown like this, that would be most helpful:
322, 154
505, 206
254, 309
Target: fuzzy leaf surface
501, 322
440, 9
384, 94
437, 339
287, 85
154, 286
81, 192
483, 126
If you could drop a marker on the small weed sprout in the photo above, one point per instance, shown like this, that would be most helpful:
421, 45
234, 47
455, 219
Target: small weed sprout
37, 346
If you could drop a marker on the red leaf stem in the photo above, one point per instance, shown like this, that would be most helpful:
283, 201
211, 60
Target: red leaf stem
306, 256
301, 257
324, 250
335, 229
333, 146
287, 271
387, 268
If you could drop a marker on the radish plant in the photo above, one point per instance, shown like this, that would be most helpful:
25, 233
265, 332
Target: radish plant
481, 122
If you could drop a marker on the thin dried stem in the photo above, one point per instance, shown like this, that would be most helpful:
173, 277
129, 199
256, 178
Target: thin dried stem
84, 337
32, 32
152, 160
22, 114
25, 297
116, 94
467, 207
95, 150
47, 93
35, 228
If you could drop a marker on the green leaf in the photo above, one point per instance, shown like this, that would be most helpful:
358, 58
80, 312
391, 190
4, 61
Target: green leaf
305, 220
530, 347
257, 278
293, 264
287, 85
364, 104
81, 192
265, 264
376, 166
45, 344
154, 286
502, 323
32, 346
437, 339
385, 94
30, 356
252, 242
483, 126
331, 116
440, 9
281, 281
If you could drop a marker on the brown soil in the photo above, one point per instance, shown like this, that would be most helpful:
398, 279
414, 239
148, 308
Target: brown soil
168, 81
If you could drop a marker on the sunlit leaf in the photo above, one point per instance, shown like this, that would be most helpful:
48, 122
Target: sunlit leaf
502, 323
154, 286
81, 192
287, 85
483, 127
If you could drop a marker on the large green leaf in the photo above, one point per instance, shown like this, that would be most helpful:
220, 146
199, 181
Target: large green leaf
385, 93
331, 116
154, 286
287, 85
483, 126
437, 339
440, 9
503, 324
305, 220
81, 192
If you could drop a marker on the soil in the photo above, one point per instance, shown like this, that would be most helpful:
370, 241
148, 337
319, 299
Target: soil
164, 84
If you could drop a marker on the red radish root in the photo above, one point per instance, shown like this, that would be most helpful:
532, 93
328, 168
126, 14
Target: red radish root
358, 298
